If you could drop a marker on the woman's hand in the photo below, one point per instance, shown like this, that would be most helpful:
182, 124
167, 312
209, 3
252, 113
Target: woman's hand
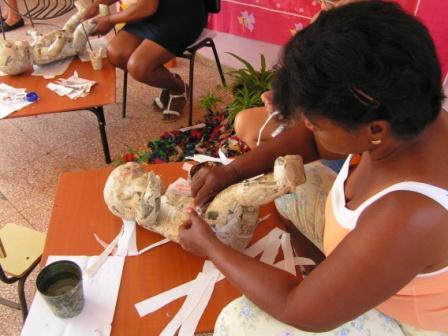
91, 11
195, 235
209, 181
266, 98
103, 25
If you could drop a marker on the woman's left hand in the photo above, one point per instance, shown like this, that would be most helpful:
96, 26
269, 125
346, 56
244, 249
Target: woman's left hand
103, 25
195, 235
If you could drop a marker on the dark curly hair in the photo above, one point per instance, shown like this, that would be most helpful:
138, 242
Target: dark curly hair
361, 62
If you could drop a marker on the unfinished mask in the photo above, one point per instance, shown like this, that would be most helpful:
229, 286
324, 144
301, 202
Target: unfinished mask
16, 57
134, 194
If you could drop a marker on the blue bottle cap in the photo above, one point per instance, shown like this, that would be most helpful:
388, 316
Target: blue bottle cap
32, 96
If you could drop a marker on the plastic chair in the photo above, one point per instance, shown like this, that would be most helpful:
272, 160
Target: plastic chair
204, 40
20, 251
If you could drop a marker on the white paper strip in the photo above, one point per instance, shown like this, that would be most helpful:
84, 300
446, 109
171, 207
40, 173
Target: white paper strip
194, 295
288, 253
187, 166
160, 242
224, 159
199, 291
189, 326
203, 158
156, 302
127, 244
94, 267
197, 126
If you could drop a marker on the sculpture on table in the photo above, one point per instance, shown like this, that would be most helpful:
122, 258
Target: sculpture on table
17, 57
134, 194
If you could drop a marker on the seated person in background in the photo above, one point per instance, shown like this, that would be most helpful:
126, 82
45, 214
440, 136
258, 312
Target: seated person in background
155, 31
363, 80
11, 17
258, 124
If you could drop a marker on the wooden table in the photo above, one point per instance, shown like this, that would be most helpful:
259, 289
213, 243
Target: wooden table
103, 93
79, 212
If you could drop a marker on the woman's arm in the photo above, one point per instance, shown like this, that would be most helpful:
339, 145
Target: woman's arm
295, 140
381, 255
137, 11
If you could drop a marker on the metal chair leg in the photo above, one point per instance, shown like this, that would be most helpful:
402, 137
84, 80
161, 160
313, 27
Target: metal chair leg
218, 63
22, 297
190, 89
125, 94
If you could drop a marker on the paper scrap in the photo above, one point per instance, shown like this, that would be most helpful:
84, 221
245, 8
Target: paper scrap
199, 290
73, 87
11, 99
52, 69
179, 187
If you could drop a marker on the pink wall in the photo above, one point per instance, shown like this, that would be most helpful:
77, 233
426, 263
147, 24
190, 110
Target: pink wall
251, 27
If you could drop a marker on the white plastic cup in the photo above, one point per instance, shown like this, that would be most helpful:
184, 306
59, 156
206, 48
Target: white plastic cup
96, 59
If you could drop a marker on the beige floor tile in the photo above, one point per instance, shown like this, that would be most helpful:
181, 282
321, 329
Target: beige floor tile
16, 147
38, 216
9, 214
54, 130
31, 185
87, 153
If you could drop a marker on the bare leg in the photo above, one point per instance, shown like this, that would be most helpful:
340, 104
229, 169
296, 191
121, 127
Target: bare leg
302, 246
249, 122
146, 65
11, 16
121, 48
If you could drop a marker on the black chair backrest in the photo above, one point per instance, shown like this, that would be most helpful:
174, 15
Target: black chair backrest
212, 6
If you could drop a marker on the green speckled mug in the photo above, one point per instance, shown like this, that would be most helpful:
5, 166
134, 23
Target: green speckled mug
60, 284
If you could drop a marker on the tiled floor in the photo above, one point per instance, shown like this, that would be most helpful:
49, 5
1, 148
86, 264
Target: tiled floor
35, 150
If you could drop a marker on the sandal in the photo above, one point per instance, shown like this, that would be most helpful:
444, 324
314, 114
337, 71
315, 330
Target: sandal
175, 105
162, 100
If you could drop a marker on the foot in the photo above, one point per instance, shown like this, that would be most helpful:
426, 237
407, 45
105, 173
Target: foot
162, 100
176, 104
6, 27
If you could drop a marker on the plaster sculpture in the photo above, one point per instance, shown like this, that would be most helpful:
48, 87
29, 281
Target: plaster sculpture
17, 57
134, 194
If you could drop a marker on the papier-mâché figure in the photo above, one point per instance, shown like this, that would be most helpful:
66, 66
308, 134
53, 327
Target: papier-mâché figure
17, 57
134, 194
62, 43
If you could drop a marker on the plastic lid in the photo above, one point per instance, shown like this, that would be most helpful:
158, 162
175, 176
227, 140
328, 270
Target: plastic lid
32, 96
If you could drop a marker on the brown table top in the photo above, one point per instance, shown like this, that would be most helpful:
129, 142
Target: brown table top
79, 212
102, 93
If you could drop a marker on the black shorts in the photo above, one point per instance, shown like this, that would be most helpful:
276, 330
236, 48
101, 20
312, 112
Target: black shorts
174, 30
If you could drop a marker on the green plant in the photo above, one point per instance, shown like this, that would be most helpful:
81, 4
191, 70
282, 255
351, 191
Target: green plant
248, 85
210, 102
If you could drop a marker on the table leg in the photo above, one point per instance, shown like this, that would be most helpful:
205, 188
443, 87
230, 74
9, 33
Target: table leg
99, 112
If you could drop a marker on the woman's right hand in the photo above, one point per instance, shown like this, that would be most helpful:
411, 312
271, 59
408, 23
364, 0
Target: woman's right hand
91, 11
209, 181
